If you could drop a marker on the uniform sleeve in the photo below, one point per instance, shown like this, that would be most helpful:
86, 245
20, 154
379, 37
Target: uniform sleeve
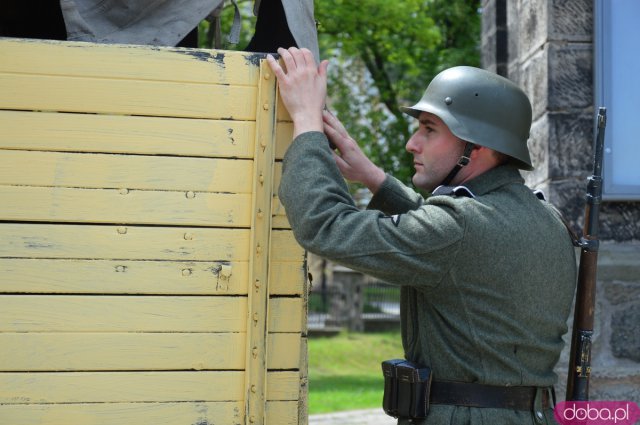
393, 197
416, 248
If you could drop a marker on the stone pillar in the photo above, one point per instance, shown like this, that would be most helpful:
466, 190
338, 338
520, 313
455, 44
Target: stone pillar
550, 55
346, 304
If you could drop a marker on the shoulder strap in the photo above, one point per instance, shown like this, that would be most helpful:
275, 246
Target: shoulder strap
453, 191
574, 237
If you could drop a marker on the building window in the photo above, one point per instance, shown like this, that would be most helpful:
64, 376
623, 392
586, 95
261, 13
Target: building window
617, 68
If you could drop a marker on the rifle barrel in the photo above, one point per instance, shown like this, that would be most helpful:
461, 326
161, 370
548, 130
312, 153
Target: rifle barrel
580, 355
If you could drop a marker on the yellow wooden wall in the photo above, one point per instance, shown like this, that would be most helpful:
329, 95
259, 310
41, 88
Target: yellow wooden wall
147, 271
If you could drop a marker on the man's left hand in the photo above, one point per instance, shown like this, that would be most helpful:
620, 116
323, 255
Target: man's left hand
303, 87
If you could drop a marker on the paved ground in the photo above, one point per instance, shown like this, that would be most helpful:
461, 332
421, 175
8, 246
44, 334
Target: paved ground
354, 417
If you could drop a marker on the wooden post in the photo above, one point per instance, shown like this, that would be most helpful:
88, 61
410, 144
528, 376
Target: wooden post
257, 324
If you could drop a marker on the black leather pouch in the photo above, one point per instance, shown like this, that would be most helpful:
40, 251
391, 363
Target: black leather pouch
414, 384
406, 389
390, 397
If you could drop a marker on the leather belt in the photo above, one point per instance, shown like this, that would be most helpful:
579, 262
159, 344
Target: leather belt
492, 396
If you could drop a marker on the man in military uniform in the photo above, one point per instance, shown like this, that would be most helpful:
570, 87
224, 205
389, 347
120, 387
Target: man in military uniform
487, 270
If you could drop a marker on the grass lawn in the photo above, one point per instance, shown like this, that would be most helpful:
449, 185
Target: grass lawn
344, 370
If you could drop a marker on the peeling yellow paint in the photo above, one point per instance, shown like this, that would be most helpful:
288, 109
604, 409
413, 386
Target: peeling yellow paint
149, 271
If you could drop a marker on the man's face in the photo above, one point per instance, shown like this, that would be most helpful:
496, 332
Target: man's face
435, 151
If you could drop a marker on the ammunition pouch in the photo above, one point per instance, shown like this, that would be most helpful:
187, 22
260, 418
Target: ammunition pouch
409, 390
406, 389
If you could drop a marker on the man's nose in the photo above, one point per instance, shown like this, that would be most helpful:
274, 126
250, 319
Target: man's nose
411, 144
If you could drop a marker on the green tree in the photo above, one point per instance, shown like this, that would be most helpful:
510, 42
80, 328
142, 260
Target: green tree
206, 31
384, 53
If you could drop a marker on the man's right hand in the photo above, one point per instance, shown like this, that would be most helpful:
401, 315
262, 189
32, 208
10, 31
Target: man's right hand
352, 162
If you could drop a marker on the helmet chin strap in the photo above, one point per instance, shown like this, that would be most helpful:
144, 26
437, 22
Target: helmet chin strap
464, 160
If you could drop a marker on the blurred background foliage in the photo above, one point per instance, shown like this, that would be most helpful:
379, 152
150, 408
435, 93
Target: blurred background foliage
383, 55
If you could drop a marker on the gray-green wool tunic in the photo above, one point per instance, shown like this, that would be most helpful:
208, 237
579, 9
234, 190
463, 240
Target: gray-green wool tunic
487, 282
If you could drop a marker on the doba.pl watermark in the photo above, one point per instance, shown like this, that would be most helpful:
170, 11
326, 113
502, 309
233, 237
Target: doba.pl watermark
597, 412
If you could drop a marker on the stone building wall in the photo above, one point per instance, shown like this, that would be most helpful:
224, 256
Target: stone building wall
546, 46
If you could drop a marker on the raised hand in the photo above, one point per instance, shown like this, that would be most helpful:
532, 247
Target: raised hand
303, 87
352, 162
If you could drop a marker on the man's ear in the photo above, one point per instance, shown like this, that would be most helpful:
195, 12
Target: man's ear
487, 155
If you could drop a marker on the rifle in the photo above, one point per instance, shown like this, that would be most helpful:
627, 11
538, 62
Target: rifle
580, 354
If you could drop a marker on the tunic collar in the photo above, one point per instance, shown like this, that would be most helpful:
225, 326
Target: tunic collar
494, 179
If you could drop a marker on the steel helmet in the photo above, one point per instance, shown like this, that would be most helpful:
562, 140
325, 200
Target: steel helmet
480, 107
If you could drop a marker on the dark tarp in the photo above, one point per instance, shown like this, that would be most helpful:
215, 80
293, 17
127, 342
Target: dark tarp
166, 22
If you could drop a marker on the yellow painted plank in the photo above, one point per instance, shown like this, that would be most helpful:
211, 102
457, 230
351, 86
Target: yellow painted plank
27, 203
223, 412
31, 168
68, 313
138, 243
34, 351
82, 313
25, 275
116, 387
121, 351
282, 413
284, 350
19, 240
277, 171
285, 315
279, 218
282, 114
282, 386
128, 62
286, 278
126, 97
50, 131
284, 133
284, 247
278, 213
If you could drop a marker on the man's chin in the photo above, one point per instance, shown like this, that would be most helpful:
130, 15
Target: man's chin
421, 183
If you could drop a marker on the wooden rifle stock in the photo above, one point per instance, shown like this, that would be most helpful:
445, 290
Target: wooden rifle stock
580, 355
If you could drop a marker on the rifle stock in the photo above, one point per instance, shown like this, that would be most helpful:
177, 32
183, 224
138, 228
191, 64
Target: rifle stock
580, 355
